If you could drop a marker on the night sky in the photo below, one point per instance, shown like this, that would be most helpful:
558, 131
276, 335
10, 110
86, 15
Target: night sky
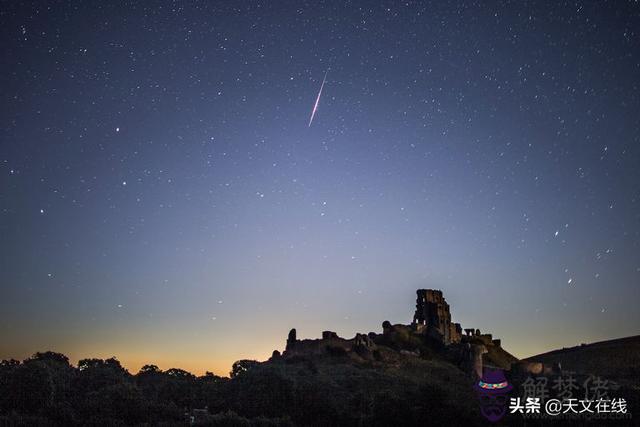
164, 200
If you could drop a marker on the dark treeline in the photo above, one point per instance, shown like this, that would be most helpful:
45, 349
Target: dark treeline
328, 390
46, 389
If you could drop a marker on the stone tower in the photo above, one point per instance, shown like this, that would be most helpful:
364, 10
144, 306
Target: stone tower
432, 312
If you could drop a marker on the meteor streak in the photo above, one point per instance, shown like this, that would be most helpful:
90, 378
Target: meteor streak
315, 106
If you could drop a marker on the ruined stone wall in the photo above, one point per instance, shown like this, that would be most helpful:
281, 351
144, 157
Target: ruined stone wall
330, 340
455, 332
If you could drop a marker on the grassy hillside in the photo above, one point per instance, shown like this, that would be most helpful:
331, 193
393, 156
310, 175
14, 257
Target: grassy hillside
617, 360
346, 390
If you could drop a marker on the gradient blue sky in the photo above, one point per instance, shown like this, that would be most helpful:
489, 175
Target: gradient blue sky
163, 199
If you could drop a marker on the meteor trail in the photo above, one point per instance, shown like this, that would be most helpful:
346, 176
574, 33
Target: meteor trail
315, 106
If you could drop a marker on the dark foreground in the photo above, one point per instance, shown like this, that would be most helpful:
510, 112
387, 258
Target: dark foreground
331, 389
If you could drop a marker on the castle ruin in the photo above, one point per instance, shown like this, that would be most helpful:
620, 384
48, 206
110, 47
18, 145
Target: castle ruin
432, 314
430, 330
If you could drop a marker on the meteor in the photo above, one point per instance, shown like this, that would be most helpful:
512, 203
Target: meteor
315, 106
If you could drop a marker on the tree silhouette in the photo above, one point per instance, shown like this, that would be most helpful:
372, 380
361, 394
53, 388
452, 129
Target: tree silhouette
241, 366
149, 369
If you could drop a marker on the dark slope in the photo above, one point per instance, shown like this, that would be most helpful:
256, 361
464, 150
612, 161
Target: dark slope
617, 359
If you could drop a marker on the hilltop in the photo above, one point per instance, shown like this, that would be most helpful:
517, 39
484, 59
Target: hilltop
617, 360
